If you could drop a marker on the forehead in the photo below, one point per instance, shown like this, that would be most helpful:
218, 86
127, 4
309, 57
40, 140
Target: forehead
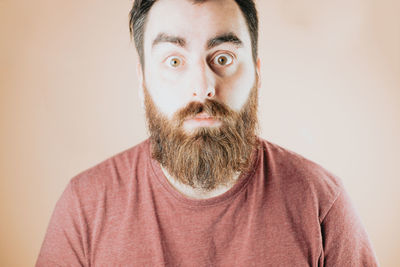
195, 22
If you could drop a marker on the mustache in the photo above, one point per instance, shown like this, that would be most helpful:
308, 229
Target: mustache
211, 107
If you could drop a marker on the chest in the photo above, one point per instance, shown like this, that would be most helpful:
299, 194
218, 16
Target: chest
239, 234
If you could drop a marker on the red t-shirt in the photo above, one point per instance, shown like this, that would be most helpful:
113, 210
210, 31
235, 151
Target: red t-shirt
286, 211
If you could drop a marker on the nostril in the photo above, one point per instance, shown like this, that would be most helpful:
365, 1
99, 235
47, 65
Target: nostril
209, 94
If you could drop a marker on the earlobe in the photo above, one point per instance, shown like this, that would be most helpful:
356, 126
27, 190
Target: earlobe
258, 72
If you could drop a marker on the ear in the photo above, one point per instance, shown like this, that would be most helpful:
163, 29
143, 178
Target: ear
258, 72
140, 76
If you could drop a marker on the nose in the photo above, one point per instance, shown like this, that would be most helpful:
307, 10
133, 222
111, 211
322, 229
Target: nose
203, 85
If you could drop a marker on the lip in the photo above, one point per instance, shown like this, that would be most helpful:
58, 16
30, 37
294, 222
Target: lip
201, 120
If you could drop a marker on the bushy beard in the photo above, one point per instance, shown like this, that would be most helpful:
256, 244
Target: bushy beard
207, 157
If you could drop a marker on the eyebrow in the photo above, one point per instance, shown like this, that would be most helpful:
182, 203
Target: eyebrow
165, 38
213, 42
224, 38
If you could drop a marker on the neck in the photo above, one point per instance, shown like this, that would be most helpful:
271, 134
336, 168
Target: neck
195, 193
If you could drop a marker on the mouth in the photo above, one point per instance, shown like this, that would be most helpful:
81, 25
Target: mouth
201, 120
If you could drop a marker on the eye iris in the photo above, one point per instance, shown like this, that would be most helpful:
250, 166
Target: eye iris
222, 60
175, 62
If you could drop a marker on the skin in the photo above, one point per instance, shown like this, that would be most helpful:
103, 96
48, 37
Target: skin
193, 52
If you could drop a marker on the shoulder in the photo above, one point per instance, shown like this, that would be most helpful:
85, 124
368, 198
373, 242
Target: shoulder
301, 179
111, 174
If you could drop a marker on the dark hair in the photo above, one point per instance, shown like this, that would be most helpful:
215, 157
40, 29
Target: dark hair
141, 8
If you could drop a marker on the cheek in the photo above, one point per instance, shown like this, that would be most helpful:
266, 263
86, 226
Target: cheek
236, 90
168, 93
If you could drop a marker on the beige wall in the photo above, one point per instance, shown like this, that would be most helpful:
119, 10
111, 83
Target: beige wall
68, 99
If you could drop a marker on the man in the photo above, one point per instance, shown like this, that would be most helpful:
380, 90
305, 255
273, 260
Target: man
203, 190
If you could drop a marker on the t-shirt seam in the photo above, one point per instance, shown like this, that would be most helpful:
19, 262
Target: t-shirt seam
81, 220
321, 220
196, 206
248, 178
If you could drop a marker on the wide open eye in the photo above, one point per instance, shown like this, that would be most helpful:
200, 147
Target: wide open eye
174, 61
223, 59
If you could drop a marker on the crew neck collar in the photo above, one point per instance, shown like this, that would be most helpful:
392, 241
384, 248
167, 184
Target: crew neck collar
241, 183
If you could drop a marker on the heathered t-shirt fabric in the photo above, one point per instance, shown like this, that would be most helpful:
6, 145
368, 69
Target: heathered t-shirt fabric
286, 211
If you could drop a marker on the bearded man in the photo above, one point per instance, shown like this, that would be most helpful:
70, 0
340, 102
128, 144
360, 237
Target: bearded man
203, 190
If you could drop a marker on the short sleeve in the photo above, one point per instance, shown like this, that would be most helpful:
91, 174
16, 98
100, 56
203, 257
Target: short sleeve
345, 241
64, 242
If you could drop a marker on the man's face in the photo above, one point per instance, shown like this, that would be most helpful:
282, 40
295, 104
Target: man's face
200, 90
194, 52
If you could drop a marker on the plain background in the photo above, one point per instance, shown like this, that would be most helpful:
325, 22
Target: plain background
68, 100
